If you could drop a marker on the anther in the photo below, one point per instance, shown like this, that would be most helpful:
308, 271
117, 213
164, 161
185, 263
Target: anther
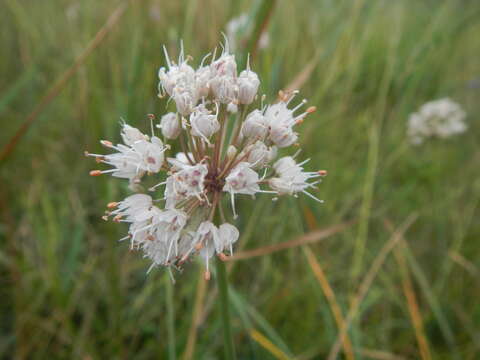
106, 143
151, 116
311, 109
322, 172
112, 205
223, 257
95, 173
207, 275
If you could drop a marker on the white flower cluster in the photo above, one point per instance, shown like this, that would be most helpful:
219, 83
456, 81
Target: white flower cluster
440, 118
224, 144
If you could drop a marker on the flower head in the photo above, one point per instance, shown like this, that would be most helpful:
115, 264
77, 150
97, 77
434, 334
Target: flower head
440, 118
224, 147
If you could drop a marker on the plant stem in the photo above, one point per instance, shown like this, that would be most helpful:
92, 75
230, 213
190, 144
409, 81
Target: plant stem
170, 319
224, 310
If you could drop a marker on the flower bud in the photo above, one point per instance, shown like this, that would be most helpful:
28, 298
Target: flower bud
254, 125
281, 186
283, 136
272, 153
202, 79
185, 101
170, 125
182, 75
224, 88
130, 135
231, 152
203, 123
258, 154
227, 236
225, 65
232, 108
248, 83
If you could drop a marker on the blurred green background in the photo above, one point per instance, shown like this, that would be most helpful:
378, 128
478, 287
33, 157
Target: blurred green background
69, 290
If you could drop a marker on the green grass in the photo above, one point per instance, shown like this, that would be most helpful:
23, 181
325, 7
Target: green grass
70, 290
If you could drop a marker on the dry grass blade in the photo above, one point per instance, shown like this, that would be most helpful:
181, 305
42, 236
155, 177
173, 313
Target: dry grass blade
464, 263
309, 238
412, 302
380, 355
196, 317
330, 295
301, 78
58, 86
268, 345
367, 282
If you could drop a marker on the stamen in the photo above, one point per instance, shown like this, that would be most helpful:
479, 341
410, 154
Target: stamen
181, 57
106, 143
204, 58
222, 257
150, 268
167, 57
95, 173
313, 197
207, 275
303, 102
112, 205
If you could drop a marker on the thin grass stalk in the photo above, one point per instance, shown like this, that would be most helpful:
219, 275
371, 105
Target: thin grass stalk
222, 283
170, 319
261, 16
58, 86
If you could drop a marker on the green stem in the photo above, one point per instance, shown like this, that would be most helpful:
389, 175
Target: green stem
224, 310
170, 319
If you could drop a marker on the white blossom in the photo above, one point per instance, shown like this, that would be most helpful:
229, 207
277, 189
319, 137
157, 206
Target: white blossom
241, 180
247, 83
130, 135
280, 121
187, 182
228, 235
440, 118
255, 125
259, 155
222, 140
170, 125
291, 177
133, 160
224, 88
204, 123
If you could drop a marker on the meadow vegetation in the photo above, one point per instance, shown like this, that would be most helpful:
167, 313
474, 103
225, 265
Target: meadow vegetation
402, 267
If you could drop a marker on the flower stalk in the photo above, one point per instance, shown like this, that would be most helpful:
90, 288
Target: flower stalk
222, 283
